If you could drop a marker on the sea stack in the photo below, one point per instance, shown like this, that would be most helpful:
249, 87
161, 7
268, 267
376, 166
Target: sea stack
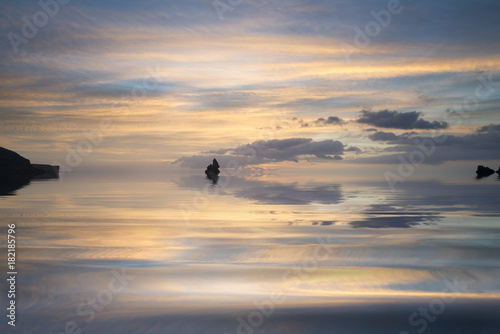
484, 171
213, 171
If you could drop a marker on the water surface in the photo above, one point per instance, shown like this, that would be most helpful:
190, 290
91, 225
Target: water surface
151, 253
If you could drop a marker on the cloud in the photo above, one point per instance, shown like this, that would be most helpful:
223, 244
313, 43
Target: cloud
320, 122
480, 145
399, 120
383, 136
265, 151
72, 73
485, 137
489, 128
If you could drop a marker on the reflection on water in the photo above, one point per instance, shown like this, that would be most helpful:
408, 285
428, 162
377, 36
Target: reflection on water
10, 183
159, 255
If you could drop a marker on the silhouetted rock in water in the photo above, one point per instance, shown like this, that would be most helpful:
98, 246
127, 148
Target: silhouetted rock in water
484, 171
11, 162
47, 171
213, 171
17, 171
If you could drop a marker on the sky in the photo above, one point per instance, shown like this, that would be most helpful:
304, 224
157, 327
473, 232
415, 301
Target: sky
261, 83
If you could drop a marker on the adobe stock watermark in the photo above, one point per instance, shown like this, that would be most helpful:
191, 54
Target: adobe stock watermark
427, 146
265, 308
30, 28
363, 36
94, 138
89, 309
223, 6
425, 315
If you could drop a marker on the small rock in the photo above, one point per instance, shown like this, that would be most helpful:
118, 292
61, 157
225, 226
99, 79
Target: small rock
484, 171
213, 171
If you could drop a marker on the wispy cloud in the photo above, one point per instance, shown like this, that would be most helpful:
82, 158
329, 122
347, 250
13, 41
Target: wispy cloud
264, 56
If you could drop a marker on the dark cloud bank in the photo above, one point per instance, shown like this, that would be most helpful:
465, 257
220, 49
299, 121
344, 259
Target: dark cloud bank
399, 120
480, 145
383, 119
277, 150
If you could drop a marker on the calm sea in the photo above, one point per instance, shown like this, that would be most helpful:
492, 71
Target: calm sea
154, 253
